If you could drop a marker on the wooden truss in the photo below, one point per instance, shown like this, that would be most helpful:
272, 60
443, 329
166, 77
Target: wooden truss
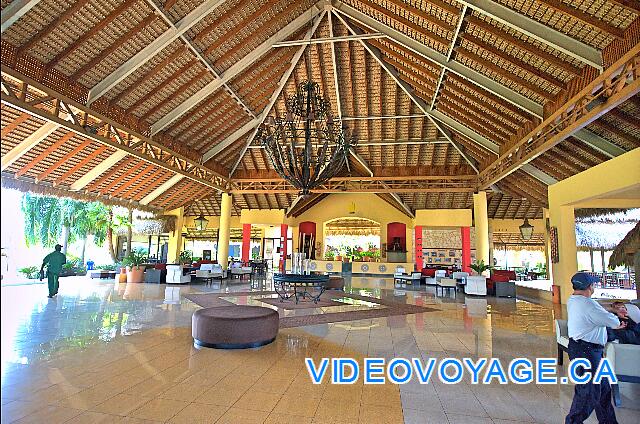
617, 84
409, 184
39, 101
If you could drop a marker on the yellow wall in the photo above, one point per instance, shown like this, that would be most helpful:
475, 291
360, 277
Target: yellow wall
614, 183
367, 206
443, 217
262, 216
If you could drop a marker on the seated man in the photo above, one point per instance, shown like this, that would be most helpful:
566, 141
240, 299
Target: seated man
627, 335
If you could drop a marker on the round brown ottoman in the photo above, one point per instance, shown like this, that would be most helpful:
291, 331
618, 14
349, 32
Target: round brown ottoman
234, 327
335, 283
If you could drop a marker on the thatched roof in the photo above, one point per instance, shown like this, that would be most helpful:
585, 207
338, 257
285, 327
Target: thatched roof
597, 235
446, 91
607, 215
623, 253
152, 226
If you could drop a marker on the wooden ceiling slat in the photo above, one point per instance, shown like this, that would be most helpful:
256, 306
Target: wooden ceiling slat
132, 181
523, 45
100, 150
52, 148
114, 170
146, 183
113, 47
14, 124
150, 74
41, 176
514, 61
100, 25
584, 17
60, 19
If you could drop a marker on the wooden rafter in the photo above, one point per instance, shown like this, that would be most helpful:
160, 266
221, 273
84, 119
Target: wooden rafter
67, 14
171, 97
523, 45
618, 83
45, 153
133, 143
113, 47
148, 76
131, 182
584, 17
100, 150
146, 185
80, 147
23, 117
118, 167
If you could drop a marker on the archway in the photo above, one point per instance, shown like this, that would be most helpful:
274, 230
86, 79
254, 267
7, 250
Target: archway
352, 238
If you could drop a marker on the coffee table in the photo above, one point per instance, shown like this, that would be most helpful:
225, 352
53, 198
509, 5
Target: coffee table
299, 286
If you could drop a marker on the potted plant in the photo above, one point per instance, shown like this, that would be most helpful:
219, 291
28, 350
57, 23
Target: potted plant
330, 255
186, 257
479, 267
134, 262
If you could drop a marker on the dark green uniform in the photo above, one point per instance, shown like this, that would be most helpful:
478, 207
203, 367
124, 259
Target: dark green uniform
54, 262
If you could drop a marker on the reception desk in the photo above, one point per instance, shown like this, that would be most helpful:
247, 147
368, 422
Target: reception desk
381, 268
321, 266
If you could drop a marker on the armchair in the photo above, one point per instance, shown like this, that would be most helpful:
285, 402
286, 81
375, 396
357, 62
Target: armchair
447, 283
210, 271
502, 283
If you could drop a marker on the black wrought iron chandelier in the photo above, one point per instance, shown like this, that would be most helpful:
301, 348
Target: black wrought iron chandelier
308, 146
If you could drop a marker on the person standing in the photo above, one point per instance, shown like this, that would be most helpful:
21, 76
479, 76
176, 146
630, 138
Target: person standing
588, 322
54, 262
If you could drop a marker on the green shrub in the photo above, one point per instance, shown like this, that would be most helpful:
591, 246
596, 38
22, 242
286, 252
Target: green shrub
110, 267
30, 271
136, 258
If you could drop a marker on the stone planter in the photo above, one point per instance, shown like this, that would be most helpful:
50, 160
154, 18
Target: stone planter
135, 274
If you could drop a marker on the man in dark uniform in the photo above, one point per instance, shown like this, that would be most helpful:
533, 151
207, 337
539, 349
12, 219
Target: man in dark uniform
54, 262
588, 323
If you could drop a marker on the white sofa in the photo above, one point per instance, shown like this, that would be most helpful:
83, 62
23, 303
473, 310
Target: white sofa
446, 283
175, 275
210, 271
433, 280
476, 284
241, 271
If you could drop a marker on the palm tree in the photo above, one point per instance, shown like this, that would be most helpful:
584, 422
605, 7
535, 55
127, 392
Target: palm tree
49, 218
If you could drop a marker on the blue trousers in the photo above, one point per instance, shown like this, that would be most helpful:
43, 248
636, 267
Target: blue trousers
589, 396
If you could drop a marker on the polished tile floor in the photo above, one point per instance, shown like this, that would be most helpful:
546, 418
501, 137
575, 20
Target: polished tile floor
103, 352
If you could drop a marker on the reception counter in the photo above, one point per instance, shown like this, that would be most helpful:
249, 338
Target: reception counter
321, 266
379, 268
382, 268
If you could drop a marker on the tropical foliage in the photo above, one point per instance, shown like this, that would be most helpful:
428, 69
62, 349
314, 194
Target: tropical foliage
136, 258
480, 266
29, 271
48, 220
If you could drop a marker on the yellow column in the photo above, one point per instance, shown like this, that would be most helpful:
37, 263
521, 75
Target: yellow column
224, 231
481, 223
295, 235
563, 218
175, 238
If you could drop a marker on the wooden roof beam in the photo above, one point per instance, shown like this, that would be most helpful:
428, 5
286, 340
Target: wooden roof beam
584, 17
274, 98
598, 143
95, 178
524, 46
57, 164
613, 87
144, 55
27, 144
100, 150
439, 59
201, 58
46, 152
14, 11
235, 69
148, 20
161, 189
23, 117
538, 31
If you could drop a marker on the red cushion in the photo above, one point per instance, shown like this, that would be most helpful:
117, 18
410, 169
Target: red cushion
429, 272
502, 276
160, 266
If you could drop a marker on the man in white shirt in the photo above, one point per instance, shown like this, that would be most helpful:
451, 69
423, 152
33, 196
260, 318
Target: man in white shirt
588, 322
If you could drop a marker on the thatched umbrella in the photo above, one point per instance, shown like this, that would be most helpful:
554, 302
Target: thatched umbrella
627, 253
